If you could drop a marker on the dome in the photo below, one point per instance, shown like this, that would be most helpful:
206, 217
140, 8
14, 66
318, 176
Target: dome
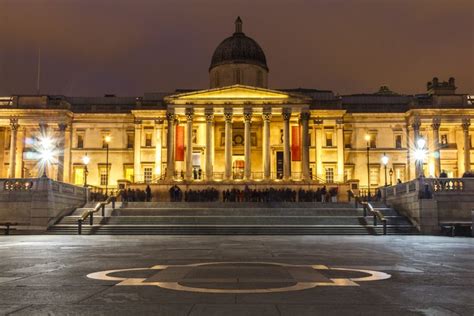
239, 49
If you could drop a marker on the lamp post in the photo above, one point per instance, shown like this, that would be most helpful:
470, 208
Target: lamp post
420, 154
367, 139
107, 141
86, 161
390, 173
385, 162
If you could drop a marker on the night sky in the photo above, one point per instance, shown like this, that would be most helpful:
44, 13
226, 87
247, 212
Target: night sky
97, 47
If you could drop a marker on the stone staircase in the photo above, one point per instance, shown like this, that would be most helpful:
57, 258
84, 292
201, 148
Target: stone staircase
216, 218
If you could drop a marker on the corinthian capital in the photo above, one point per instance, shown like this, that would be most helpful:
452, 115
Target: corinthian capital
14, 123
466, 122
286, 114
436, 123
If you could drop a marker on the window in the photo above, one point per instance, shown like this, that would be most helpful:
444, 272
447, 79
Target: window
103, 175
148, 174
348, 171
79, 175
80, 141
330, 175
398, 141
128, 172
148, 140
373, 143
444, 139
130, 140
329, 136
399, 174
374, 176
347, 140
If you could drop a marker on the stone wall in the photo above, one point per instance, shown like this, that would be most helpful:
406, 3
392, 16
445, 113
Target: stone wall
448, 200
37, 203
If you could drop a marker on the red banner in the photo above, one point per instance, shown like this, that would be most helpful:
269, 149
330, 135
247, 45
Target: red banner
179, 153
295, 143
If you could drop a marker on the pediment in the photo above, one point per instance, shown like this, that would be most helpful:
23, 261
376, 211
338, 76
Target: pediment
236, 92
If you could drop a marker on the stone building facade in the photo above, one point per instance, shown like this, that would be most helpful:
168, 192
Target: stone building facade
239, 130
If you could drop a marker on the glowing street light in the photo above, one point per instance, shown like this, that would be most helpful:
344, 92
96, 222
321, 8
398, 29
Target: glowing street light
385, 162
85, 161
46, 152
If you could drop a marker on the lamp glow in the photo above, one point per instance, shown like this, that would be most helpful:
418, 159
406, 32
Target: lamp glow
385, 159
420, 154
420, 143
367, 137
108, 139
86, 160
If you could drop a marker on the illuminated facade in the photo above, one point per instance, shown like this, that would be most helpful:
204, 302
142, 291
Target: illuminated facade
239, 130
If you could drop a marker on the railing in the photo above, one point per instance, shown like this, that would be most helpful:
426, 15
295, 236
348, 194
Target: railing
368, 208
180, 175
445, 184
99, 206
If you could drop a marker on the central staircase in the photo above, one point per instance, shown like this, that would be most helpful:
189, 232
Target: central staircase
246, 218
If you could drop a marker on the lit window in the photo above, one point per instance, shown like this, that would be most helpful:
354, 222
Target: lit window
103, 175
148, 174
398, 141
329, 142
444, 139
80, 141
330, 175
148, 139
347, 140
400, 174
374, 176
128, 173
373, 143
79, 175
130, 140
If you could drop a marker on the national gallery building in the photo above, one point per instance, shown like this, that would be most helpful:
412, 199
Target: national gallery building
239, 131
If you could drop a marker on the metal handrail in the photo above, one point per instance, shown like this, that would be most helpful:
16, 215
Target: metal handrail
90, 213
376, 213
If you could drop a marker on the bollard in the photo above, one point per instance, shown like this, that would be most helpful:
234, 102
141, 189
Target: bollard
79, 226
385, 227
113, 203
103, 209
91, 221
375, 220
7, 231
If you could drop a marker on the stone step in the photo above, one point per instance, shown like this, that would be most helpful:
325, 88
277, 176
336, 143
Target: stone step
230, 205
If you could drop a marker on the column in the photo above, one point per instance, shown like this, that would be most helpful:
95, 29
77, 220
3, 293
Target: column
466, 122
319, 147
2, 150
305, 144
158, 147
228, 144
286, 144
13, 136
67, 154
436, 153
340, 150
247, 143
20, 144
137, 147
267, 116
416, 135
189, 143
209, 146
62, 149
170, 117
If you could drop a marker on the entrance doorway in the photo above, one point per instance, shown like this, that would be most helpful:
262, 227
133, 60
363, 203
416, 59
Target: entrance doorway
238, 169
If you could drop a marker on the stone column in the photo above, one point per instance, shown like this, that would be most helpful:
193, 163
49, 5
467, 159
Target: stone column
228, 144
137, 147
170, 117
247, 143
340, 150
267, 116
319, 147
305, 144
62, 149
466, 122
416, 135
189, 143
158, 146
20, 144
2, 150
13, 136
209, 145
286, 144
437, 157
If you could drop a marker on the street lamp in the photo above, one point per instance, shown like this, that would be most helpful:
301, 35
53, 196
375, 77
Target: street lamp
107, 141
385, 162
420, 154
390, 173
86, 161
367, 139
46, 153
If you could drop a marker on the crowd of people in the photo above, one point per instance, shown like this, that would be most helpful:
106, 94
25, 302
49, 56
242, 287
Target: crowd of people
136, 195
206, 195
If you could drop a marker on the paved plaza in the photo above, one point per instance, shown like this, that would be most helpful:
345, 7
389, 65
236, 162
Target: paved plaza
236, 275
